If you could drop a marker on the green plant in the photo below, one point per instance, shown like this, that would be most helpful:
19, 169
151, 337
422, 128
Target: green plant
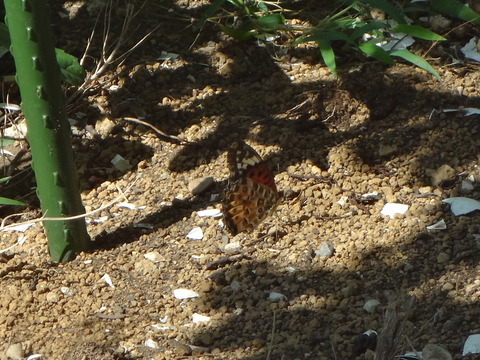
345, 24
71, 71
7, 201
43, 104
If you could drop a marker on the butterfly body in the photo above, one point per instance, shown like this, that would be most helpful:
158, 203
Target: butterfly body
251, 194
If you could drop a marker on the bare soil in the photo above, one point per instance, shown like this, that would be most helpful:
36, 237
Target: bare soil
330, 140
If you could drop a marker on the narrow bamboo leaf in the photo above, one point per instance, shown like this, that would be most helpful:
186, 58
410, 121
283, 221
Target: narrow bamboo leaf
270, 22
7, 201
4, 36
71, 71
415, 60
328, 55
238, 34
457, 9
342, 23
211, 10
238, 3
418, 31
262, 6
376, 52
390, 9
368, 28
4, 179
326, 36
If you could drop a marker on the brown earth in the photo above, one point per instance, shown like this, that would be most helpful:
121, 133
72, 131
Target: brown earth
329, 139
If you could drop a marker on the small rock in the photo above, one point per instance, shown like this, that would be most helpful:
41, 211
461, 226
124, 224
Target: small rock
435, 352
276, 297
442, 174
151, 344
391, 209
442, 258
425, 190
213, 213
371, 305
233, 247
120, 164
104, 127
67, 291
326, 249
387, 150
154, 256
206, 339
199, 185
440, 225
439, 23
198, 318
15, 352
235, 285
467, 186
52, 297
276, 231
183, 350
195, 234
184, 294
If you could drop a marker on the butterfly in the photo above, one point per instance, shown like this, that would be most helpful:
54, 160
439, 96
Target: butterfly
251, 193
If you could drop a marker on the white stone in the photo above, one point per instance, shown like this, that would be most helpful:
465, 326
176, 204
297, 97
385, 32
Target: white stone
184, 294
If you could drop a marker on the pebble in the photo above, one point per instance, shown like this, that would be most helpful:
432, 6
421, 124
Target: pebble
442, 258
15, 351
441, 174
154, 256
435, 352
326, 249
52, 297
104, 127
371, 305
183, 350
151, 344
185, 294
200, 185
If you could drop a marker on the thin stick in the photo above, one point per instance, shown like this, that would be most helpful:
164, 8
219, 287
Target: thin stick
90, 213
158, 131
270, 345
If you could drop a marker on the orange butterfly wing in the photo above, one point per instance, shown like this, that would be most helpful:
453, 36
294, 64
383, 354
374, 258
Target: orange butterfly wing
251, 194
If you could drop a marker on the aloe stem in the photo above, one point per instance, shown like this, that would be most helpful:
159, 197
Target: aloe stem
43, 103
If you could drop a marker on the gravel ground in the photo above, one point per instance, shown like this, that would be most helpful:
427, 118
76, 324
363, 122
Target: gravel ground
313, 277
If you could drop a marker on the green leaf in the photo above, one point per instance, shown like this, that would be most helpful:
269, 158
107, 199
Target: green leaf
262, 6
5, 179
238, 3
457, 9
211, 10
376, 52
325, 36
415, 60
359, 31
328, 55
345, 23
71, 71
7, 201
238, 34
270, 22
418, 31
395, 12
